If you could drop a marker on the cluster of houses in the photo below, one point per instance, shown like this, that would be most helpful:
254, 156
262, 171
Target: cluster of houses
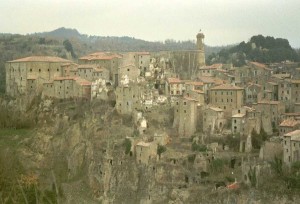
219, 98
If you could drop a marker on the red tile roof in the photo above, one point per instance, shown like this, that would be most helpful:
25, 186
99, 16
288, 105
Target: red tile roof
212, 80
101, 56
226, 87
174, 81
41, 59
83, 82
213, 66
195, 83
64, 78
289, 123
260, 65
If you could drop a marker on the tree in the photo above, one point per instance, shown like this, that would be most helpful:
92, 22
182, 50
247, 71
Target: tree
68, 46
161, 149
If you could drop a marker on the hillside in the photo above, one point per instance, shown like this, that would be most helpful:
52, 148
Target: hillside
259, 48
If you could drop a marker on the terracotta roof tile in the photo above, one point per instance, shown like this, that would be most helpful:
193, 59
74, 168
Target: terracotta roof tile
41, 59
226, 87
101, 56
293, 133
289, 123
174, 81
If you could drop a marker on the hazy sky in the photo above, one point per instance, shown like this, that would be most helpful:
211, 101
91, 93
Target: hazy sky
222, 21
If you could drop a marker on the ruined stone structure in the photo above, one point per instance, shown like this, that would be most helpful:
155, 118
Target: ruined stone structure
270, 150
145, 151
200, 47
244, 120
270, 113
213, 120
29, 74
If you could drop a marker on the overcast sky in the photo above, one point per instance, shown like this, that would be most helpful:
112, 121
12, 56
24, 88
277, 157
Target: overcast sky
222, 21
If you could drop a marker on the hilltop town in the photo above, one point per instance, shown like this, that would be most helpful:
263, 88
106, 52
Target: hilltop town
146, 135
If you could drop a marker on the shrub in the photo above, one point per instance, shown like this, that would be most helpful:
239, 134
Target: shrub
191, 158
161, 149
127, 145
199, 147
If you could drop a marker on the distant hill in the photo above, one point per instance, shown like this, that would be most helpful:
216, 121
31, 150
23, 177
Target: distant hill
259, 48
62, 33
121, 44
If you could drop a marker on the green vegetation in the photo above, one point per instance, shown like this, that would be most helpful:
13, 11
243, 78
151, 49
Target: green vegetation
258, 139
217, 165
11, 137
161, 149
198, 147
191, 158
259, 48
127, 145
252, 176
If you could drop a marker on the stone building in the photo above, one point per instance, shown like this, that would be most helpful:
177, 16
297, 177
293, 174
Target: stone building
185, 116
200, 49
174, 87
108, 60
128, 98
130, 70
194, 89
209, 71
29, 73
142, 60
270, 150
260, 73
289, 92
291, 147
244, 120
252, 93
145, 151
288, 125
67, 88
226, 97
213, 120
271, 112
92, 72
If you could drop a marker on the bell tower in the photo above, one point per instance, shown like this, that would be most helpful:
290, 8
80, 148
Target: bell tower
200, 49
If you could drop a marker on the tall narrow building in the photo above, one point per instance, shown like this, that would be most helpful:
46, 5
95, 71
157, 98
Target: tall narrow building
200, 47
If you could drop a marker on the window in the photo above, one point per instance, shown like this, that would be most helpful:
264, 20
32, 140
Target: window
234, 121
128, 70
30, 70
184, 103
57, 70
184, 111
39, 70
48, 70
